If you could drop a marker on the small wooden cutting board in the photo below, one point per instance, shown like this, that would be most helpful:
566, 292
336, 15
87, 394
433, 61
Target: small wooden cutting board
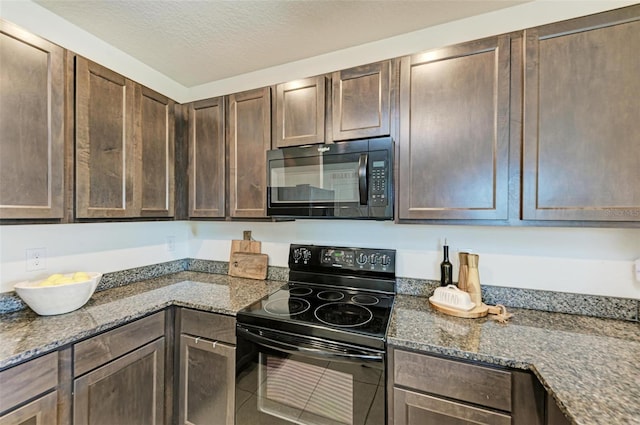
248, 264
245, 245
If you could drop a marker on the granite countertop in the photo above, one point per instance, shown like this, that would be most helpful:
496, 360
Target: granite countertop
591, 366
24, 334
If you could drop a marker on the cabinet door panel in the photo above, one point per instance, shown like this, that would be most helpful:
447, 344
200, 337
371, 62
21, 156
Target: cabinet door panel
207, 382
207, 159
127, 390
28, 380
582, 133
31, 125
362, 101
249, 141
455, 132
41, 411
105, 156
156, 189
421, 409
300, 112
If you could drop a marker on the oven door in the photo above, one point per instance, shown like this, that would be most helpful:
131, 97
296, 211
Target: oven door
285, 379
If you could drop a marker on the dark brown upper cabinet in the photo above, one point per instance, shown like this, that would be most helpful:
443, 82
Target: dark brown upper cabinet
249, 139
124, 146
156, 148
207, 158
581, 154
361, 101
300, 112
31, 126
454, 132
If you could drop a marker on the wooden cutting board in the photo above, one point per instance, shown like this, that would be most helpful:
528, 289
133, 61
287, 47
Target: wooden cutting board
245, 245
248, 264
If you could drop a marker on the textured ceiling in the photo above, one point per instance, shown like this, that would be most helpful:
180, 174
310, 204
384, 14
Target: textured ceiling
196, 42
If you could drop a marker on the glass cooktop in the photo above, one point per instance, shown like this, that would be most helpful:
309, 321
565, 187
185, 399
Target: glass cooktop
346, 315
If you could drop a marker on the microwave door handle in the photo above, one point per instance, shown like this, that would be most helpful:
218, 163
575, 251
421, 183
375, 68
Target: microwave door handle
363, 163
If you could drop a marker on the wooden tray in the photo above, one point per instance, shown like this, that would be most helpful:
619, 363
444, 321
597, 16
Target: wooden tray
481, 311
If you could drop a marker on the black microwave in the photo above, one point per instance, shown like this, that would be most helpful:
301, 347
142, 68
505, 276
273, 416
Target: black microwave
350, 180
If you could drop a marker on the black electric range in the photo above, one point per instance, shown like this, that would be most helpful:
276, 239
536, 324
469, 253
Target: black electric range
333, 294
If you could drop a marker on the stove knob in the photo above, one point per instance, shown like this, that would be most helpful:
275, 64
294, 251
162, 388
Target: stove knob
306, 255
361, 258
386, 260
373, 259
297, 255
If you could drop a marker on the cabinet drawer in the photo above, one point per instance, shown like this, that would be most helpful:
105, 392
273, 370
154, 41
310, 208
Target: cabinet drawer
216, 327
421, 409
25, 381
470, 383
103, 348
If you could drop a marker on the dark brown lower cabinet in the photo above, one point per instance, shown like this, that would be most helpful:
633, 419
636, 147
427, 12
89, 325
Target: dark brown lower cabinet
207, 375
128, 390
413, 408
41, 411
34, 380
207, 371
425, 389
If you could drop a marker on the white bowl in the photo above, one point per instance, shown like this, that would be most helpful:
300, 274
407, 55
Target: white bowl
58, 299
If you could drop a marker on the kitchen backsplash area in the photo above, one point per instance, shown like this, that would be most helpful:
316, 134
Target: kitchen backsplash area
572, 270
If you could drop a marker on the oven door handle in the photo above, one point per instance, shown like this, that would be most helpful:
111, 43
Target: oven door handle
309, 352
362, 178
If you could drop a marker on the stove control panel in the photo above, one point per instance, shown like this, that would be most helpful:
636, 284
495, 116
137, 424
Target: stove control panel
303, 257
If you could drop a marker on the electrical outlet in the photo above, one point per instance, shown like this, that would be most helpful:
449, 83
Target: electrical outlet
36, 259
637, 264
171, 243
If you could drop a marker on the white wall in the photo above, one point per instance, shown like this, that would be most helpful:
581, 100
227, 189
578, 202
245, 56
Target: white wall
101, 247
579, 260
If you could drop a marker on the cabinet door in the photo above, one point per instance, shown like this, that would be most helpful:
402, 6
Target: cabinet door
42, 411
249, 140
31, 125
300, 112
454, 132
581, 128
412, 408
129, 390
155, 147
362, 101
105, 155
207, 382
207, 158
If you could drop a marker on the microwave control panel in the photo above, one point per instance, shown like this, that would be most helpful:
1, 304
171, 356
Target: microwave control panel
379, 183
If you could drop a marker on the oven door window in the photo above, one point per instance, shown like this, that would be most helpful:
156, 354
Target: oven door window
278, 388
321, 179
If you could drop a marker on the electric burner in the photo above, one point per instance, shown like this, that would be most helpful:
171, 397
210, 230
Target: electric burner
365, 299
343, 315
300, 291
330, 295
287, 306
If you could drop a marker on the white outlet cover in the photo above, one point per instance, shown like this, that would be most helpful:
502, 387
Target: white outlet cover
637, 263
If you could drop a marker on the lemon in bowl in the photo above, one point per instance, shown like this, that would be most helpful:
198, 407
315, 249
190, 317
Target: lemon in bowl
58, 293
